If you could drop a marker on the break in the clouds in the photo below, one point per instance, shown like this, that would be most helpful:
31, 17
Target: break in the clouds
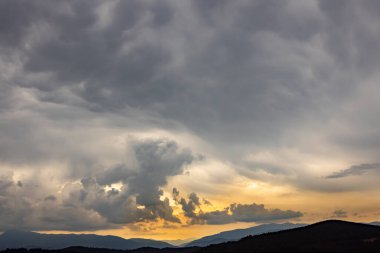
280, 93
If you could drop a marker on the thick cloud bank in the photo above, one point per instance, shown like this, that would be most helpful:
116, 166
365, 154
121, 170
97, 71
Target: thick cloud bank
281, 92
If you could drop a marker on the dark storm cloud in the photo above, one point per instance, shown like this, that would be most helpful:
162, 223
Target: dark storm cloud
225, 70
355, 170
207, 70
131, 61
244, 76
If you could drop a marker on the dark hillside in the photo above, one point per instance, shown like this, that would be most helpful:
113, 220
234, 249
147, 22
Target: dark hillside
326, 236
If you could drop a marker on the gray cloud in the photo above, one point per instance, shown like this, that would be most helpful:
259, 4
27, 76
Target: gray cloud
88, 205
255, 212
22, 208
191, 205
175, 194
246, 213
233, 213
355, 170
245, 77
214, 218
104, 57
156, 161
339, 213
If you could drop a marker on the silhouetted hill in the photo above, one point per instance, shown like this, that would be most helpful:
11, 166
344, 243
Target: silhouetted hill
22, 239
328, 237
237, 234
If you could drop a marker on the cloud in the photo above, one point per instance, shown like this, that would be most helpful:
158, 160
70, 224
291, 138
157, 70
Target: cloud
191, 205
355, 170
339, 213
22, 208
89, 205
101, 58
231, 214
215, 218
275, 80
156, 161
255, 212
245, 213
206, 202
175, 194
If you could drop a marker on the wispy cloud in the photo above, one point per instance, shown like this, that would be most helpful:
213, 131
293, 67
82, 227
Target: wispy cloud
355, 170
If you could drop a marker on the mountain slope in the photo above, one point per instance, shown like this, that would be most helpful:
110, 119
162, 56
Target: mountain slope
21, 239
328, 236
237, 234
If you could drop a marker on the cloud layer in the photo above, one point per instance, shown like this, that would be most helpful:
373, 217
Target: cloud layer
278, 92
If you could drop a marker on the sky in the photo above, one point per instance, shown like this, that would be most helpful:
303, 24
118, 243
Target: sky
176, 119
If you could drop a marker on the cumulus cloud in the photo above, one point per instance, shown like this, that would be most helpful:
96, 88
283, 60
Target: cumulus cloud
355, 170
140, 197
156, 161
90, 206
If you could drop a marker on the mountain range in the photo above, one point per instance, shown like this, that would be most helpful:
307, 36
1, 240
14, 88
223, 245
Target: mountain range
327, 236
237, 234
28, 240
